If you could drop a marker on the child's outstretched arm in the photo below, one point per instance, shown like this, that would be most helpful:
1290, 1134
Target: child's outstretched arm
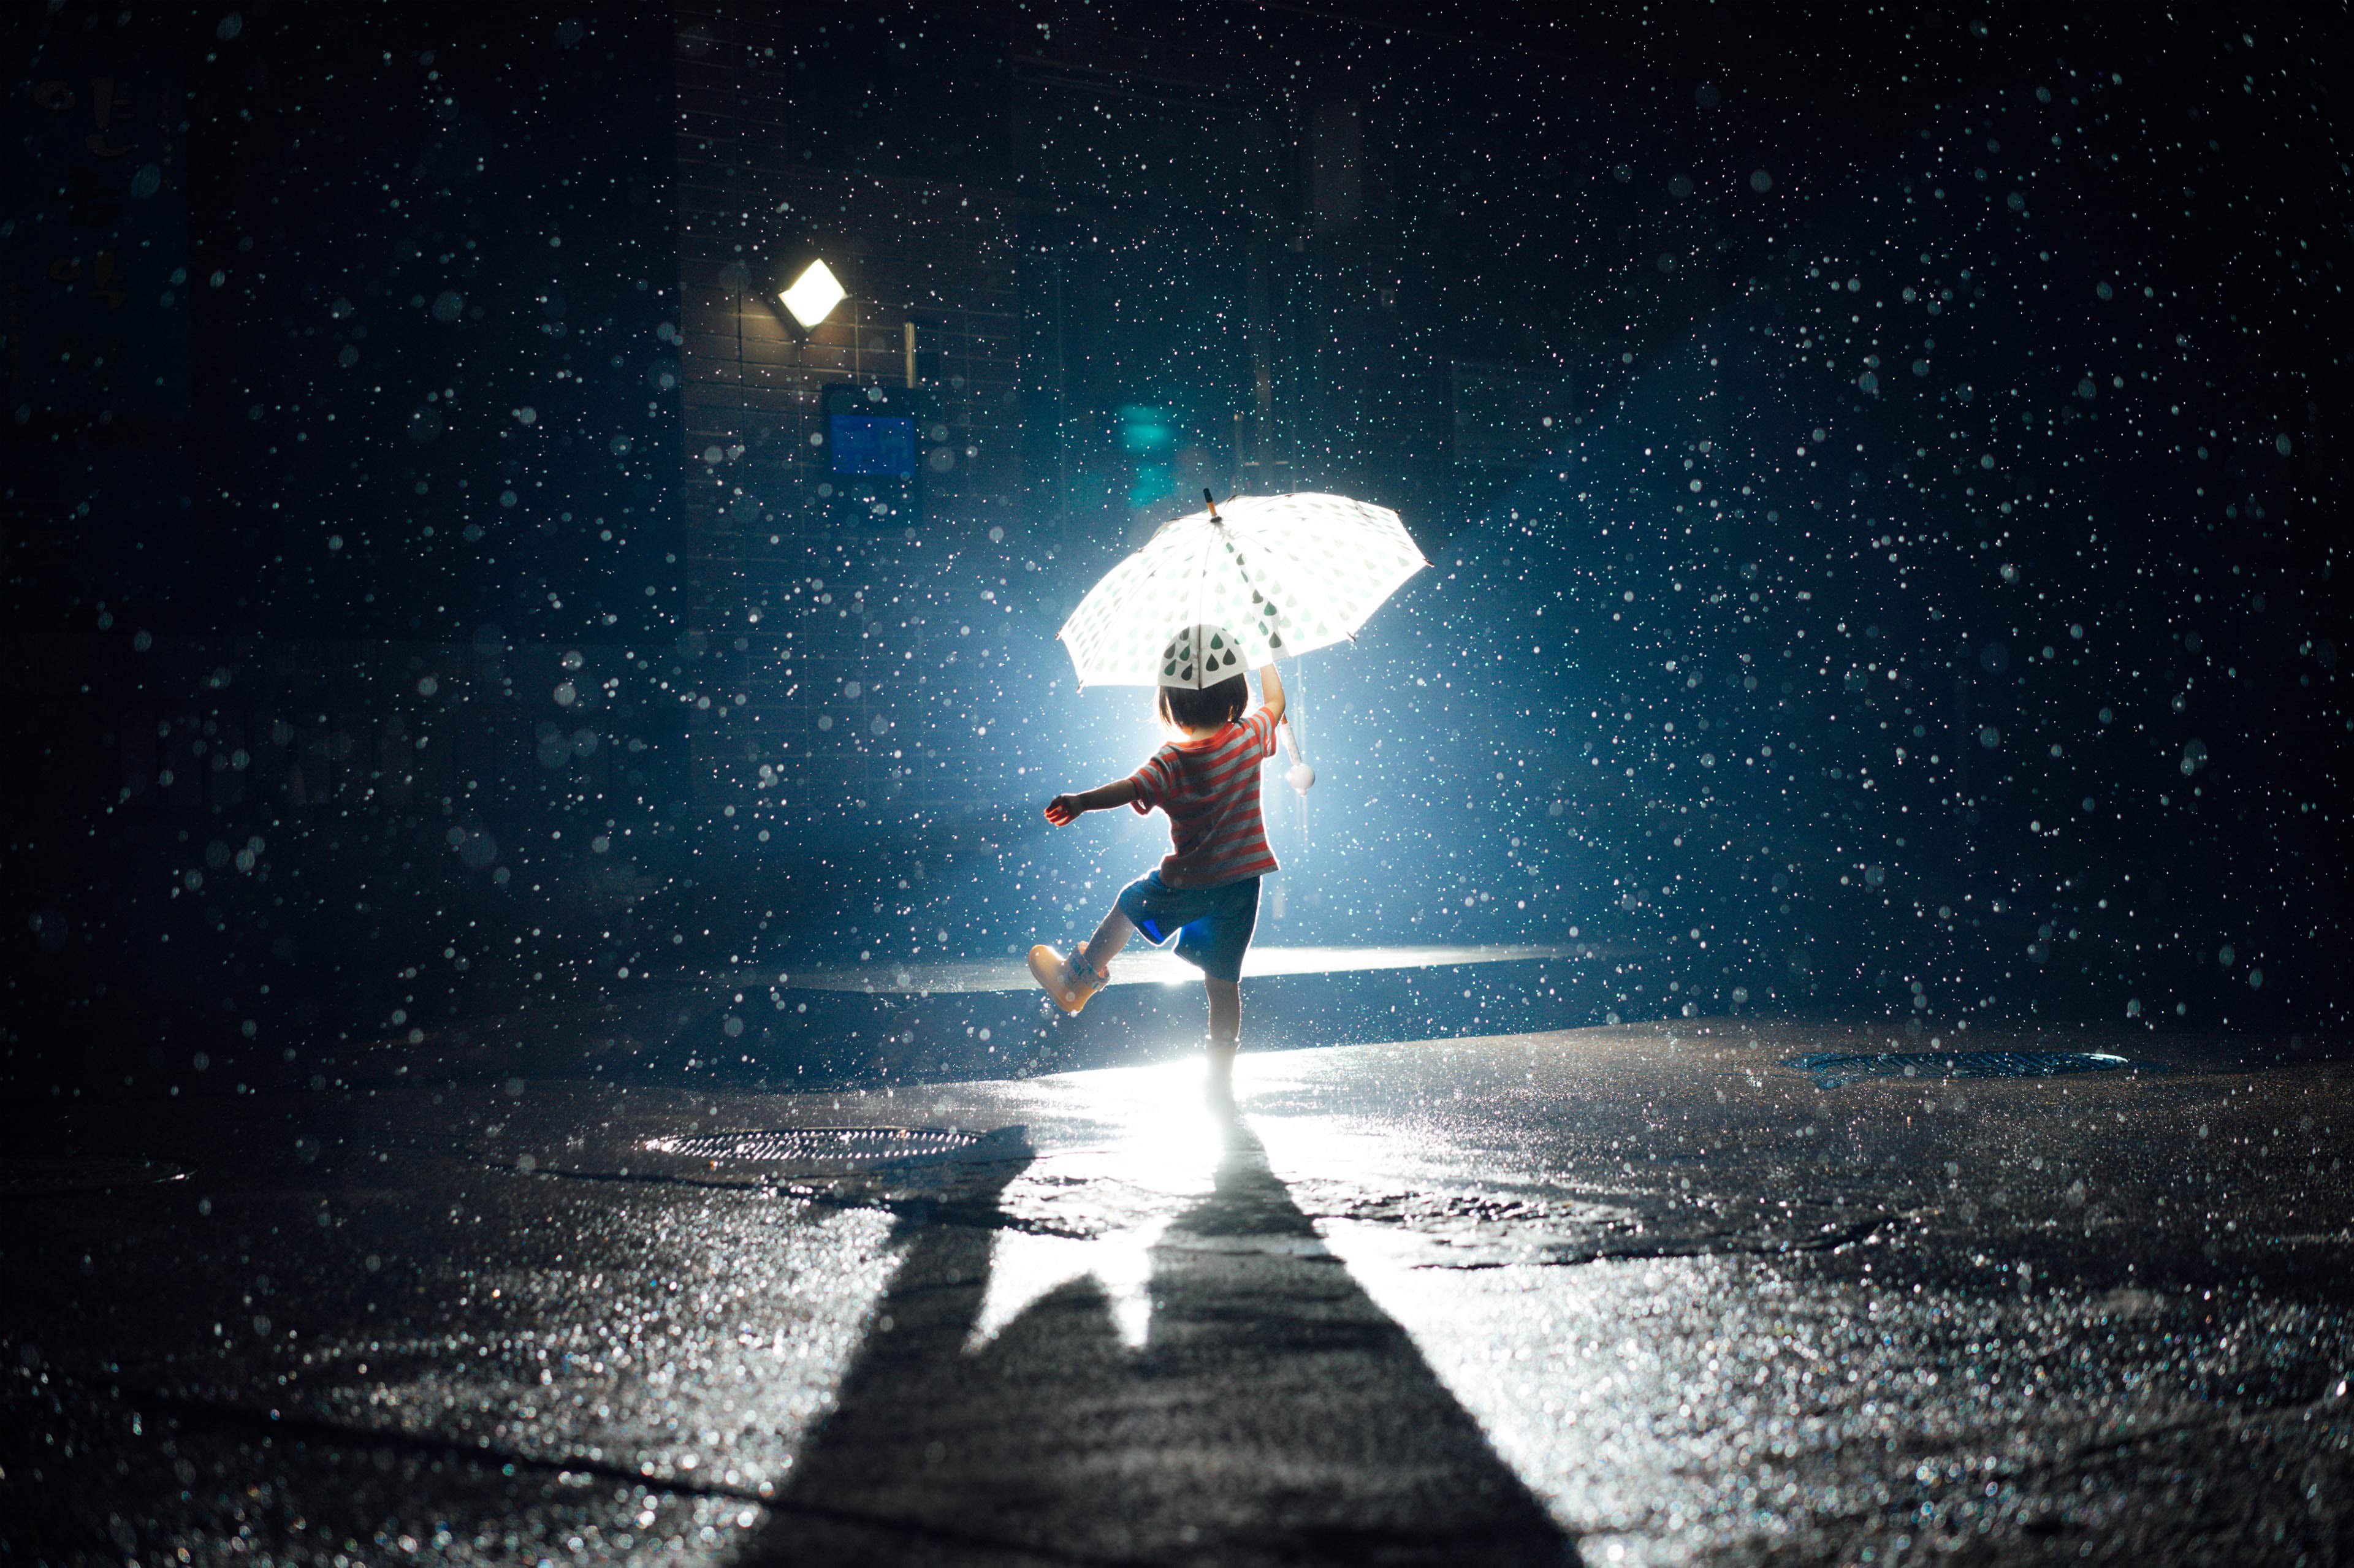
1270, 691
1065, 810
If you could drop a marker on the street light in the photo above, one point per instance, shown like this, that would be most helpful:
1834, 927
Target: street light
813, 295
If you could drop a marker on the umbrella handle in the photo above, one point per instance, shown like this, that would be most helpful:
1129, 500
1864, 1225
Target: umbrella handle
1301, 775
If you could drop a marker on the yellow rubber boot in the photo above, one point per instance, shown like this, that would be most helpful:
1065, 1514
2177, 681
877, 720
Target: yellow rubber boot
1062, 978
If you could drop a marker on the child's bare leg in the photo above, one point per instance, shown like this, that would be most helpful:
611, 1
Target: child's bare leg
1225, 1016
1110, 938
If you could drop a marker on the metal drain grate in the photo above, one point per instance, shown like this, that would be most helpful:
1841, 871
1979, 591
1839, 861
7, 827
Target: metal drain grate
1831, 1068
831, 1145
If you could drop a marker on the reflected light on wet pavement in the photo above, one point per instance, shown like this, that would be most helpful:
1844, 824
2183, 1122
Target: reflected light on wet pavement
1164, 1144
1143, 964
1648, 1294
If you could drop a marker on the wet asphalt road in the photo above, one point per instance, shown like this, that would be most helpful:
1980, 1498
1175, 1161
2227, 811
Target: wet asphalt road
1627, 1294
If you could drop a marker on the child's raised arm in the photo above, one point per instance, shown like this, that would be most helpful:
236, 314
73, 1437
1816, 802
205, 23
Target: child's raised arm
1270, 691
1065, 810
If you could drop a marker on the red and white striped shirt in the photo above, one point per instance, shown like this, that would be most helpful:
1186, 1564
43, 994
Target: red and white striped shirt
1210, 788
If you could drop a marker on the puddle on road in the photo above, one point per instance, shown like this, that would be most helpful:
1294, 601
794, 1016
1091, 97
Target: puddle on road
1491, 1230
44, 1177
1831, 1069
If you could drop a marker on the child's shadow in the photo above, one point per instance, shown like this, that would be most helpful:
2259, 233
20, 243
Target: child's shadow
1275, 1414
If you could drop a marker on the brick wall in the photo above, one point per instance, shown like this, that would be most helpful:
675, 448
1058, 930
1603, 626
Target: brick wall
806, 612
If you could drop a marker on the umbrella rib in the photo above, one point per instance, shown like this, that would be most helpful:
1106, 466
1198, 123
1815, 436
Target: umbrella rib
1210, 542
1345, 611
1260, 584
1291, 599
1149, 570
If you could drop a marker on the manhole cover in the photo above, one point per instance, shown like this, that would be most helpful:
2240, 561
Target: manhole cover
1832, 1068
845, 1145
80, 1173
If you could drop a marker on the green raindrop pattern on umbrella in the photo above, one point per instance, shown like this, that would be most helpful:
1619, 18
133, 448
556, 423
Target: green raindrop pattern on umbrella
1218, 659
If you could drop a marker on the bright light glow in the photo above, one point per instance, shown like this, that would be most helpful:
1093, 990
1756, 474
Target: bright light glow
1139, 965
1024, 1269
1163, 1152
815, 294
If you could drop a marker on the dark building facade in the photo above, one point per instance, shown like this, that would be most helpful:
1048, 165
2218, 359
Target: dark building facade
1108, 263
810, 600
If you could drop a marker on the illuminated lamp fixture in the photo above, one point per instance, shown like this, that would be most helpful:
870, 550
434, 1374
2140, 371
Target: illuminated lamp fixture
813, 295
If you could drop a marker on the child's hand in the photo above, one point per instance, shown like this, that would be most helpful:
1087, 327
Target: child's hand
1063, 811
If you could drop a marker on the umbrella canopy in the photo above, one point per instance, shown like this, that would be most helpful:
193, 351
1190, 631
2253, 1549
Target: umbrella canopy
1279, 574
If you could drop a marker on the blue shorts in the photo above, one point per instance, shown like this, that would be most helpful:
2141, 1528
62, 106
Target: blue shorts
1213, 924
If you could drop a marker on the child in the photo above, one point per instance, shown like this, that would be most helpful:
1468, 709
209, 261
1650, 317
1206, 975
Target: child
1205, 892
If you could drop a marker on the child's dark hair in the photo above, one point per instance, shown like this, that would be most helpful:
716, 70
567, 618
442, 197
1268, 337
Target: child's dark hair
1183, 707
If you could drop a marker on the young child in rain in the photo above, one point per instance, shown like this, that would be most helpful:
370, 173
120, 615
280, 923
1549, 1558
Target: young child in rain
1206, 891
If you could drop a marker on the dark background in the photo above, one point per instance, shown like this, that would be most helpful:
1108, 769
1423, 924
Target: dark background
1942, 400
